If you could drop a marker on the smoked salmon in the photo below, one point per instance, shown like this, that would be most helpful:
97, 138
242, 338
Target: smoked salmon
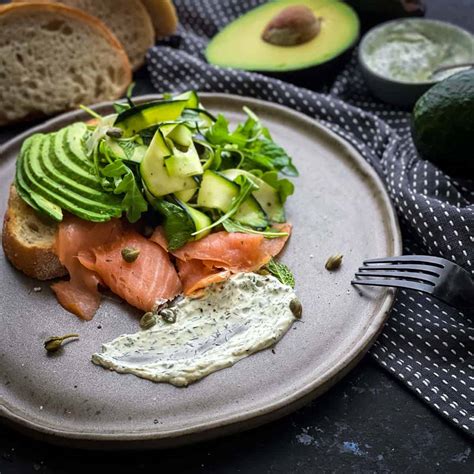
80, 294
146, 283
195, 276
91, 252
215, 257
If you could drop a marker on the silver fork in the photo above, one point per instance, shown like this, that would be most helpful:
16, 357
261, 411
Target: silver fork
435, 276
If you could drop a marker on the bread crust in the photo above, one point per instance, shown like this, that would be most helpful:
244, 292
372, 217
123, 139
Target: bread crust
140, 11
76, 14
163, 16
35, 260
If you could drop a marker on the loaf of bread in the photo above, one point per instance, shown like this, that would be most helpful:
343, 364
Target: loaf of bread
163, 16
127, 19
55, 58
28, 240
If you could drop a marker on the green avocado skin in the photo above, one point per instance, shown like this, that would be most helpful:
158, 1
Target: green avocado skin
443, 124
54, 174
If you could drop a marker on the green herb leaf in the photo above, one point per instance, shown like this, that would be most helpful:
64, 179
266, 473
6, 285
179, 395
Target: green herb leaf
266, 152
114, 169
133, 202
124, 182
232, 226
178, 225
281, 271
219, 133
253, 143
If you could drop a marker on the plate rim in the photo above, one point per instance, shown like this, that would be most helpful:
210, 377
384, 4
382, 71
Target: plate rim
241, 421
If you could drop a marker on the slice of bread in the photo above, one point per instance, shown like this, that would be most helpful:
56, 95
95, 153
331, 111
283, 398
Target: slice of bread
28, 240
127, 19
163, 16
55, 58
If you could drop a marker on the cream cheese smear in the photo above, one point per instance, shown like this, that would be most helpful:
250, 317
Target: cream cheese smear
233, 320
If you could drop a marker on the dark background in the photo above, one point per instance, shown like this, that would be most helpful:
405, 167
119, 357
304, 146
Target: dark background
368, 422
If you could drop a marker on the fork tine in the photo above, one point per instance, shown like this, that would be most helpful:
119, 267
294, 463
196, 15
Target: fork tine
402, 275
409, 259
409, 285
405, 267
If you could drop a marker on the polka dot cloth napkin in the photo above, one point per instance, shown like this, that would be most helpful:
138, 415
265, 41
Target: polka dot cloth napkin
425, 344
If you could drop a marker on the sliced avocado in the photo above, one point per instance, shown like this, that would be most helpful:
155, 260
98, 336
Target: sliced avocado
20, 184
45, 188
61, 162
443, 120
76, 137
88, 198
24, 183
240, 44
266, 195
76, 164
55, 163
26, 193
143, 116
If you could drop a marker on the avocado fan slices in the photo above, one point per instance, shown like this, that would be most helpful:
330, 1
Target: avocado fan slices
45, 178
22, 183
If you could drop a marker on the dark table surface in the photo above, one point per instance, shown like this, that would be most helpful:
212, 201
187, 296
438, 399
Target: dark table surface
368, 422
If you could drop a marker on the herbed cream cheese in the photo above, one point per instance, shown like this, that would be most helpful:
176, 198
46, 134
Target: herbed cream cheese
410, 51
233, 320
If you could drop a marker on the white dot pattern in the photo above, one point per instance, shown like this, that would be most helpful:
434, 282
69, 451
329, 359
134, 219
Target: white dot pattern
426, 344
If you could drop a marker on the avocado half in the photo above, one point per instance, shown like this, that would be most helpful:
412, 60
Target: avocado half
443, 124
240, 44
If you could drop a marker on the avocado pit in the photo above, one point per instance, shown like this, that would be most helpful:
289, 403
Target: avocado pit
292, 26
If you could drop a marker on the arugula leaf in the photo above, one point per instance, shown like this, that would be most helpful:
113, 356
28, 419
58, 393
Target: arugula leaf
246, 187
266, 152
133, 202
125, 183
284, 186
232, 226
114, 169
178, 225
253, 142
218, 133
281, 271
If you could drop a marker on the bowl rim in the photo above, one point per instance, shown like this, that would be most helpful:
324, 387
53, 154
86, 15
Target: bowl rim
381, 26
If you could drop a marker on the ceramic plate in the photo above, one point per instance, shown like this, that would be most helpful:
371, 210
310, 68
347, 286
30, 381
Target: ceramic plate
340, 205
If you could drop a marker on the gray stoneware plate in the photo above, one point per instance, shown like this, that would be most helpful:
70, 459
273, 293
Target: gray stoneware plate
340, 205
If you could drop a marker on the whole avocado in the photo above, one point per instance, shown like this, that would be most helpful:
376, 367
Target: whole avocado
443, 124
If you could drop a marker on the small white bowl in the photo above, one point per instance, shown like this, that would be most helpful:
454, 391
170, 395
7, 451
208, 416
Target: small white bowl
405, 92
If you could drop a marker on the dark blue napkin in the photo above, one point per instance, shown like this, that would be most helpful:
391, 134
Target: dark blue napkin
425, 344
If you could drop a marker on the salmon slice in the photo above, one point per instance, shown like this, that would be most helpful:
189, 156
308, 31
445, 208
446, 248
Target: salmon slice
215, 257
234, 251
195, 276
145, 283
80, 294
